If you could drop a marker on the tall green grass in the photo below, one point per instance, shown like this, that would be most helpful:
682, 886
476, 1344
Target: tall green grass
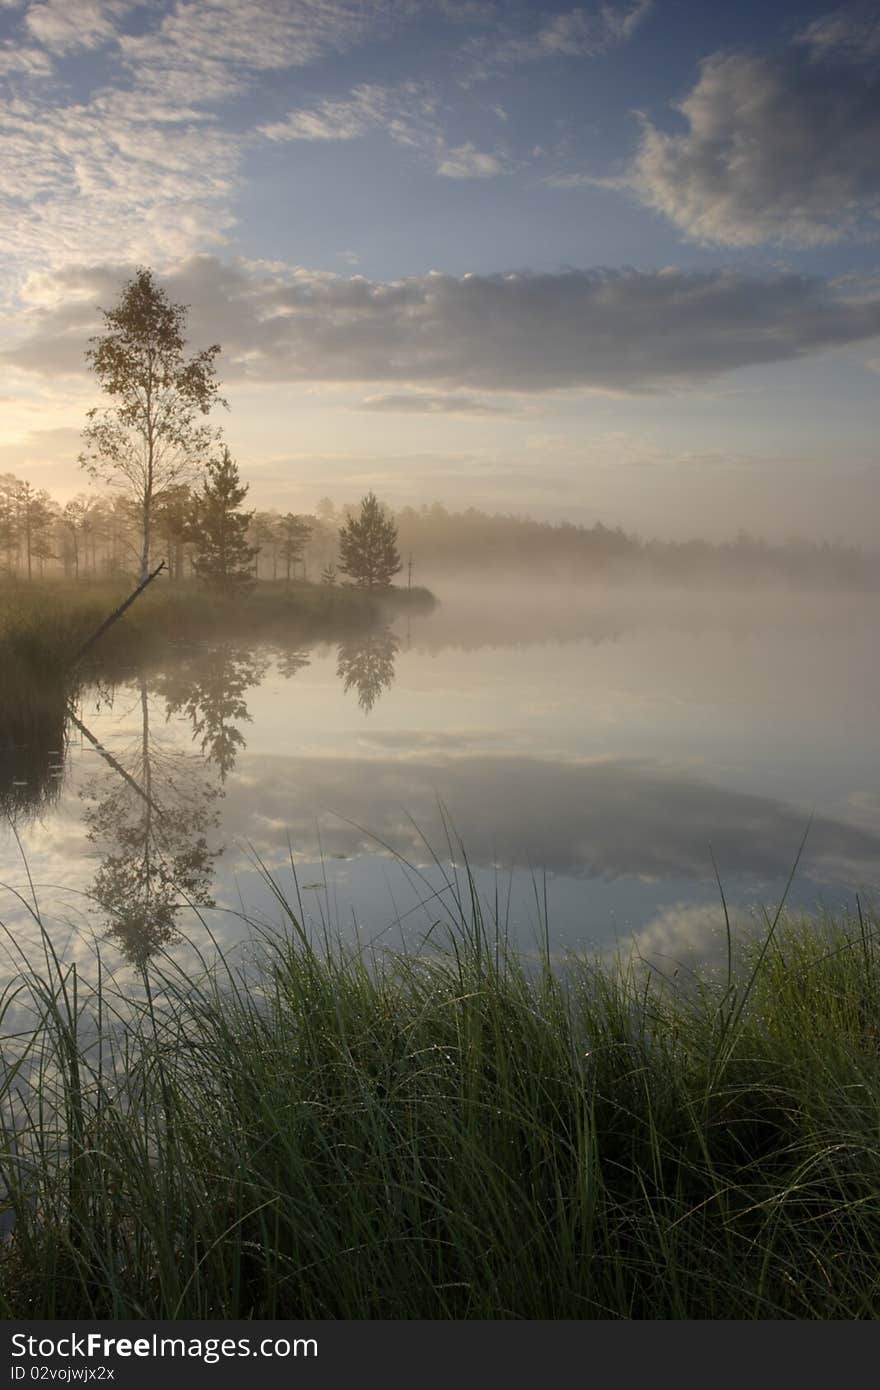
450, 1133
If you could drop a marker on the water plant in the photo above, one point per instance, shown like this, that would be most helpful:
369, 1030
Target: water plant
446, 1132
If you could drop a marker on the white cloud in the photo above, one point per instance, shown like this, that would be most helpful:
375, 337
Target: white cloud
580, 32
63, 26
403, 112
777, 149
207, 50
30, 62
687, 931
125, 177
331, 120
467, 162
516, 331
406, 113
578, 180
144, 171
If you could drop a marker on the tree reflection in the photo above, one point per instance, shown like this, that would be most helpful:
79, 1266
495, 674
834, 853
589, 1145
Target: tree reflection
151, 829
209, 688
367, 663
290, 660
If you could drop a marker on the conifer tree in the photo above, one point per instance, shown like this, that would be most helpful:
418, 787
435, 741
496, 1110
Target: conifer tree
223, 559
368, 546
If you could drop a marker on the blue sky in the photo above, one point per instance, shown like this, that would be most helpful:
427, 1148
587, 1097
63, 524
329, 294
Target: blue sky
613, 261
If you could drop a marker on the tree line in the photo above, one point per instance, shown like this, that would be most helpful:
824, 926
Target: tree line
176, 483
98, 537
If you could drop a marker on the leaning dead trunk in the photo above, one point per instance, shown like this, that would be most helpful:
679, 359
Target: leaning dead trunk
117, 613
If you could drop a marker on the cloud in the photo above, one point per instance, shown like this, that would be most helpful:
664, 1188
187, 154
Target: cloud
208, 50
851, 32
576, 180
609, 330
576, 33
406, 113
687, 932
467, 162
142, 169
41, 450
30, 62
125, 176
64, 26
427, 403
780, 149
400, 110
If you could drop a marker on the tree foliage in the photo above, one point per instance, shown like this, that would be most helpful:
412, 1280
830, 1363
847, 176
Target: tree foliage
149, 439
294, 531
368, 546
209, 687
223, 558
367, 665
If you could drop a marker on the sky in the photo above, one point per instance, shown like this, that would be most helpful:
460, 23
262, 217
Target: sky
613, 262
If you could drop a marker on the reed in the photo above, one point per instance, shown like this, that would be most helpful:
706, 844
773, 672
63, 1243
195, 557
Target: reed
449, 1133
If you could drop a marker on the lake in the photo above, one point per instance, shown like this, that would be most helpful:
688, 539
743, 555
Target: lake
590, 758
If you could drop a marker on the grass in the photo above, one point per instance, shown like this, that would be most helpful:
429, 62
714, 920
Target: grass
449, 1133
43, 624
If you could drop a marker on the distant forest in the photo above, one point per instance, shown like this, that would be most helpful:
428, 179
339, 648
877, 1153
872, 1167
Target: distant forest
472, 541
96, 535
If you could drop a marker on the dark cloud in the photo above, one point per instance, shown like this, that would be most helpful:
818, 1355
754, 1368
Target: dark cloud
851, 33
619, 330
777, 148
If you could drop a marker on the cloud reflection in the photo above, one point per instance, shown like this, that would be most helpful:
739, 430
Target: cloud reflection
605, 819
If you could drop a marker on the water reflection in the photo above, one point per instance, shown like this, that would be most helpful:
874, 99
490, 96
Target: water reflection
149, 822
32, 742
614, 759
367, 664
208, 687
290, 660
592, 818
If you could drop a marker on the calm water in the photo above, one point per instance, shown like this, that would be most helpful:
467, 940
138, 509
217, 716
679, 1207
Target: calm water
591, 759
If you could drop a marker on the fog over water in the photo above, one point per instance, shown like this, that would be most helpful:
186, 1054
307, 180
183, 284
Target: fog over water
592, 756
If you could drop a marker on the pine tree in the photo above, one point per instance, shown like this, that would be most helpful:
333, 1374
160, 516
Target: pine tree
368, 546
222, 557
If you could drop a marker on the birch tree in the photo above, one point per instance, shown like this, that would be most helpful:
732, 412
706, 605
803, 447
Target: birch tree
149, 439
